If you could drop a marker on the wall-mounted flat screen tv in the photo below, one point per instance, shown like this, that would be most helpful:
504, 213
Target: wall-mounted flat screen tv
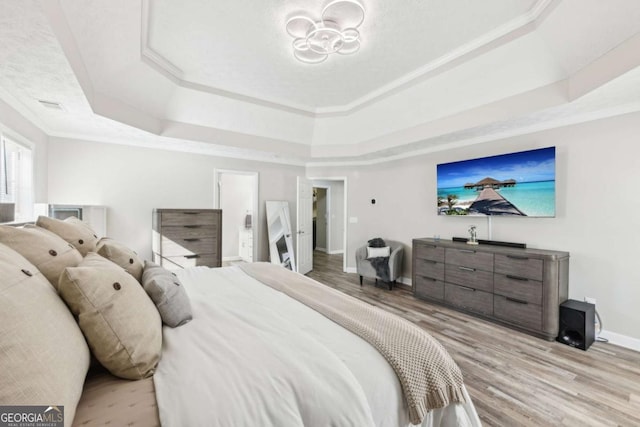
514, 184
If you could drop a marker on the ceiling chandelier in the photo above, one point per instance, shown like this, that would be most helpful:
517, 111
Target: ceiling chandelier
335, 32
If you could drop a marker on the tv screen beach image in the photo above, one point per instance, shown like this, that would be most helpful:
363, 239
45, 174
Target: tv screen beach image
515, 184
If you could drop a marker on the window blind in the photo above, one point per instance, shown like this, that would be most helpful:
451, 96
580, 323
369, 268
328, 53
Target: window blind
16, 177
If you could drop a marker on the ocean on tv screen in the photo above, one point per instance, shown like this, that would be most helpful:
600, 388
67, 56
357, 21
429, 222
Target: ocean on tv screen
536, 199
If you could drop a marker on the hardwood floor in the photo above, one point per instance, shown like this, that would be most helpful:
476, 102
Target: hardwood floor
514, 379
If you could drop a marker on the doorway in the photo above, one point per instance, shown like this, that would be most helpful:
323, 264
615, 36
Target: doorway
321, 218
330, 221
236, 193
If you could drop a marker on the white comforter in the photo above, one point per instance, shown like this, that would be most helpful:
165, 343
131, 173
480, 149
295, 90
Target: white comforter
253, 356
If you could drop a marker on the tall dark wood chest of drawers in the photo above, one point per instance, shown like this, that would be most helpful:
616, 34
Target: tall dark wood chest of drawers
522, 288
187, 237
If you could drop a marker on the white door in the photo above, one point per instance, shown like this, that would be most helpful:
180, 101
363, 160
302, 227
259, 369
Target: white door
304, 250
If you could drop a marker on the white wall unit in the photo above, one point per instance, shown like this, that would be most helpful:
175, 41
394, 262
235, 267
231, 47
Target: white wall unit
95, 216
245, 243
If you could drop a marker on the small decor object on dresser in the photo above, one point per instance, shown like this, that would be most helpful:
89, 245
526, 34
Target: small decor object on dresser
521, 288
187, 238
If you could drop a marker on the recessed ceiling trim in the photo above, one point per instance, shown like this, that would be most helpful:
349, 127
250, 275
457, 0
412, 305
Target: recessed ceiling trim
503, 34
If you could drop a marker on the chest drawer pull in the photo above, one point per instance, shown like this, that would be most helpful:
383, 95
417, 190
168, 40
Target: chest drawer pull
190, 213
517, 301
429, 278
518, 257
192, 226
466, 288
467, 251
467, 268
522, 279
429, 261
192, 256
191, 240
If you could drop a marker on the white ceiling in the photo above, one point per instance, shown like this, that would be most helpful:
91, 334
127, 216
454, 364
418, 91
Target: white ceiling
220, 77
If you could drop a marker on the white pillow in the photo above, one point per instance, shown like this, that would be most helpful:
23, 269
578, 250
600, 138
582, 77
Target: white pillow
378, 252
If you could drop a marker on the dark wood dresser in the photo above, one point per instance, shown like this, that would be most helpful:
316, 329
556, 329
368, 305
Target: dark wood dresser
187, 237
521, 288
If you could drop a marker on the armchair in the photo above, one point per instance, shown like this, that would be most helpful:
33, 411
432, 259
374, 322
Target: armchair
365, 269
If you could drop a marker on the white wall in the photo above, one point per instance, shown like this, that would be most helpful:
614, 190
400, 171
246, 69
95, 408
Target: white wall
132, 181
597, 209
236, 199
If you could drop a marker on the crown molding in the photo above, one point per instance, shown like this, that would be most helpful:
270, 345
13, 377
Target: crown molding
511, 30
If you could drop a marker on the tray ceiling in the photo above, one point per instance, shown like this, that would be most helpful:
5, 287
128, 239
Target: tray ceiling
220, 78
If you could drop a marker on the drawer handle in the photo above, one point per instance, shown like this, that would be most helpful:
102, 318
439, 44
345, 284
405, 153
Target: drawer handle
467, 268
192, 256
430, 261
429, 278
517, 301
467, 251
522, 279
192, 226
191, 240
191, 213
523, 258
466, 288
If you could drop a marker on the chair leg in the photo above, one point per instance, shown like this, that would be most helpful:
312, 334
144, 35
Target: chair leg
376, 281
360, 280
391, 285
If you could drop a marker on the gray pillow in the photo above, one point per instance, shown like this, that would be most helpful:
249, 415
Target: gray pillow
167, 293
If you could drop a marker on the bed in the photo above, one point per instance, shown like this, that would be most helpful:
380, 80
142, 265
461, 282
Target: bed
253, 354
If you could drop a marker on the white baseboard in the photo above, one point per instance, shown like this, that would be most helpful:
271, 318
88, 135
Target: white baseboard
318, 248
351, 270
621, 340
231, 258
336, 252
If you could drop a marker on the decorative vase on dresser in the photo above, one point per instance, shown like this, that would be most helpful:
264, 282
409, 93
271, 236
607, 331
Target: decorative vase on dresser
187, 238
521, 288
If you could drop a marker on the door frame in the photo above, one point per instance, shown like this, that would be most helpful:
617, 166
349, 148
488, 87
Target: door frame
255, 223
345, 228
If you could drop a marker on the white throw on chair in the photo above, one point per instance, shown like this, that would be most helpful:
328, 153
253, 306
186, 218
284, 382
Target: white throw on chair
365, 269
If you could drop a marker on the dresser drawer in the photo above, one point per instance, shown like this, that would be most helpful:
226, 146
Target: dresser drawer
469, 298
178, 232
427, 287
517, 312
431, 252
187, 261
428, 268
194, 217
189, 246
470, 258
519, 266
468, 276
519, 288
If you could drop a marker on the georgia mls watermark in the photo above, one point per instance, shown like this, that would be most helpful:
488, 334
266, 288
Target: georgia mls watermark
31, 416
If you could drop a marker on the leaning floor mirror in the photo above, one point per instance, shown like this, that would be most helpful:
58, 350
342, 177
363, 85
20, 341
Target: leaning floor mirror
279, 229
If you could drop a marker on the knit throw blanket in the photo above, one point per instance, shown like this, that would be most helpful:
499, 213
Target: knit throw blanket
429, 377
380, 264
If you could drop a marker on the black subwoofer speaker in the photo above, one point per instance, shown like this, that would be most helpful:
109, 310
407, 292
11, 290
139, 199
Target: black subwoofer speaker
577, 324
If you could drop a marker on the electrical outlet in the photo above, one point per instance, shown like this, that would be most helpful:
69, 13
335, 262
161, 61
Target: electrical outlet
590, 300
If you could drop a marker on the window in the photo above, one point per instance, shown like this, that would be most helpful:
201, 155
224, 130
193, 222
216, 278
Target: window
16, 180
